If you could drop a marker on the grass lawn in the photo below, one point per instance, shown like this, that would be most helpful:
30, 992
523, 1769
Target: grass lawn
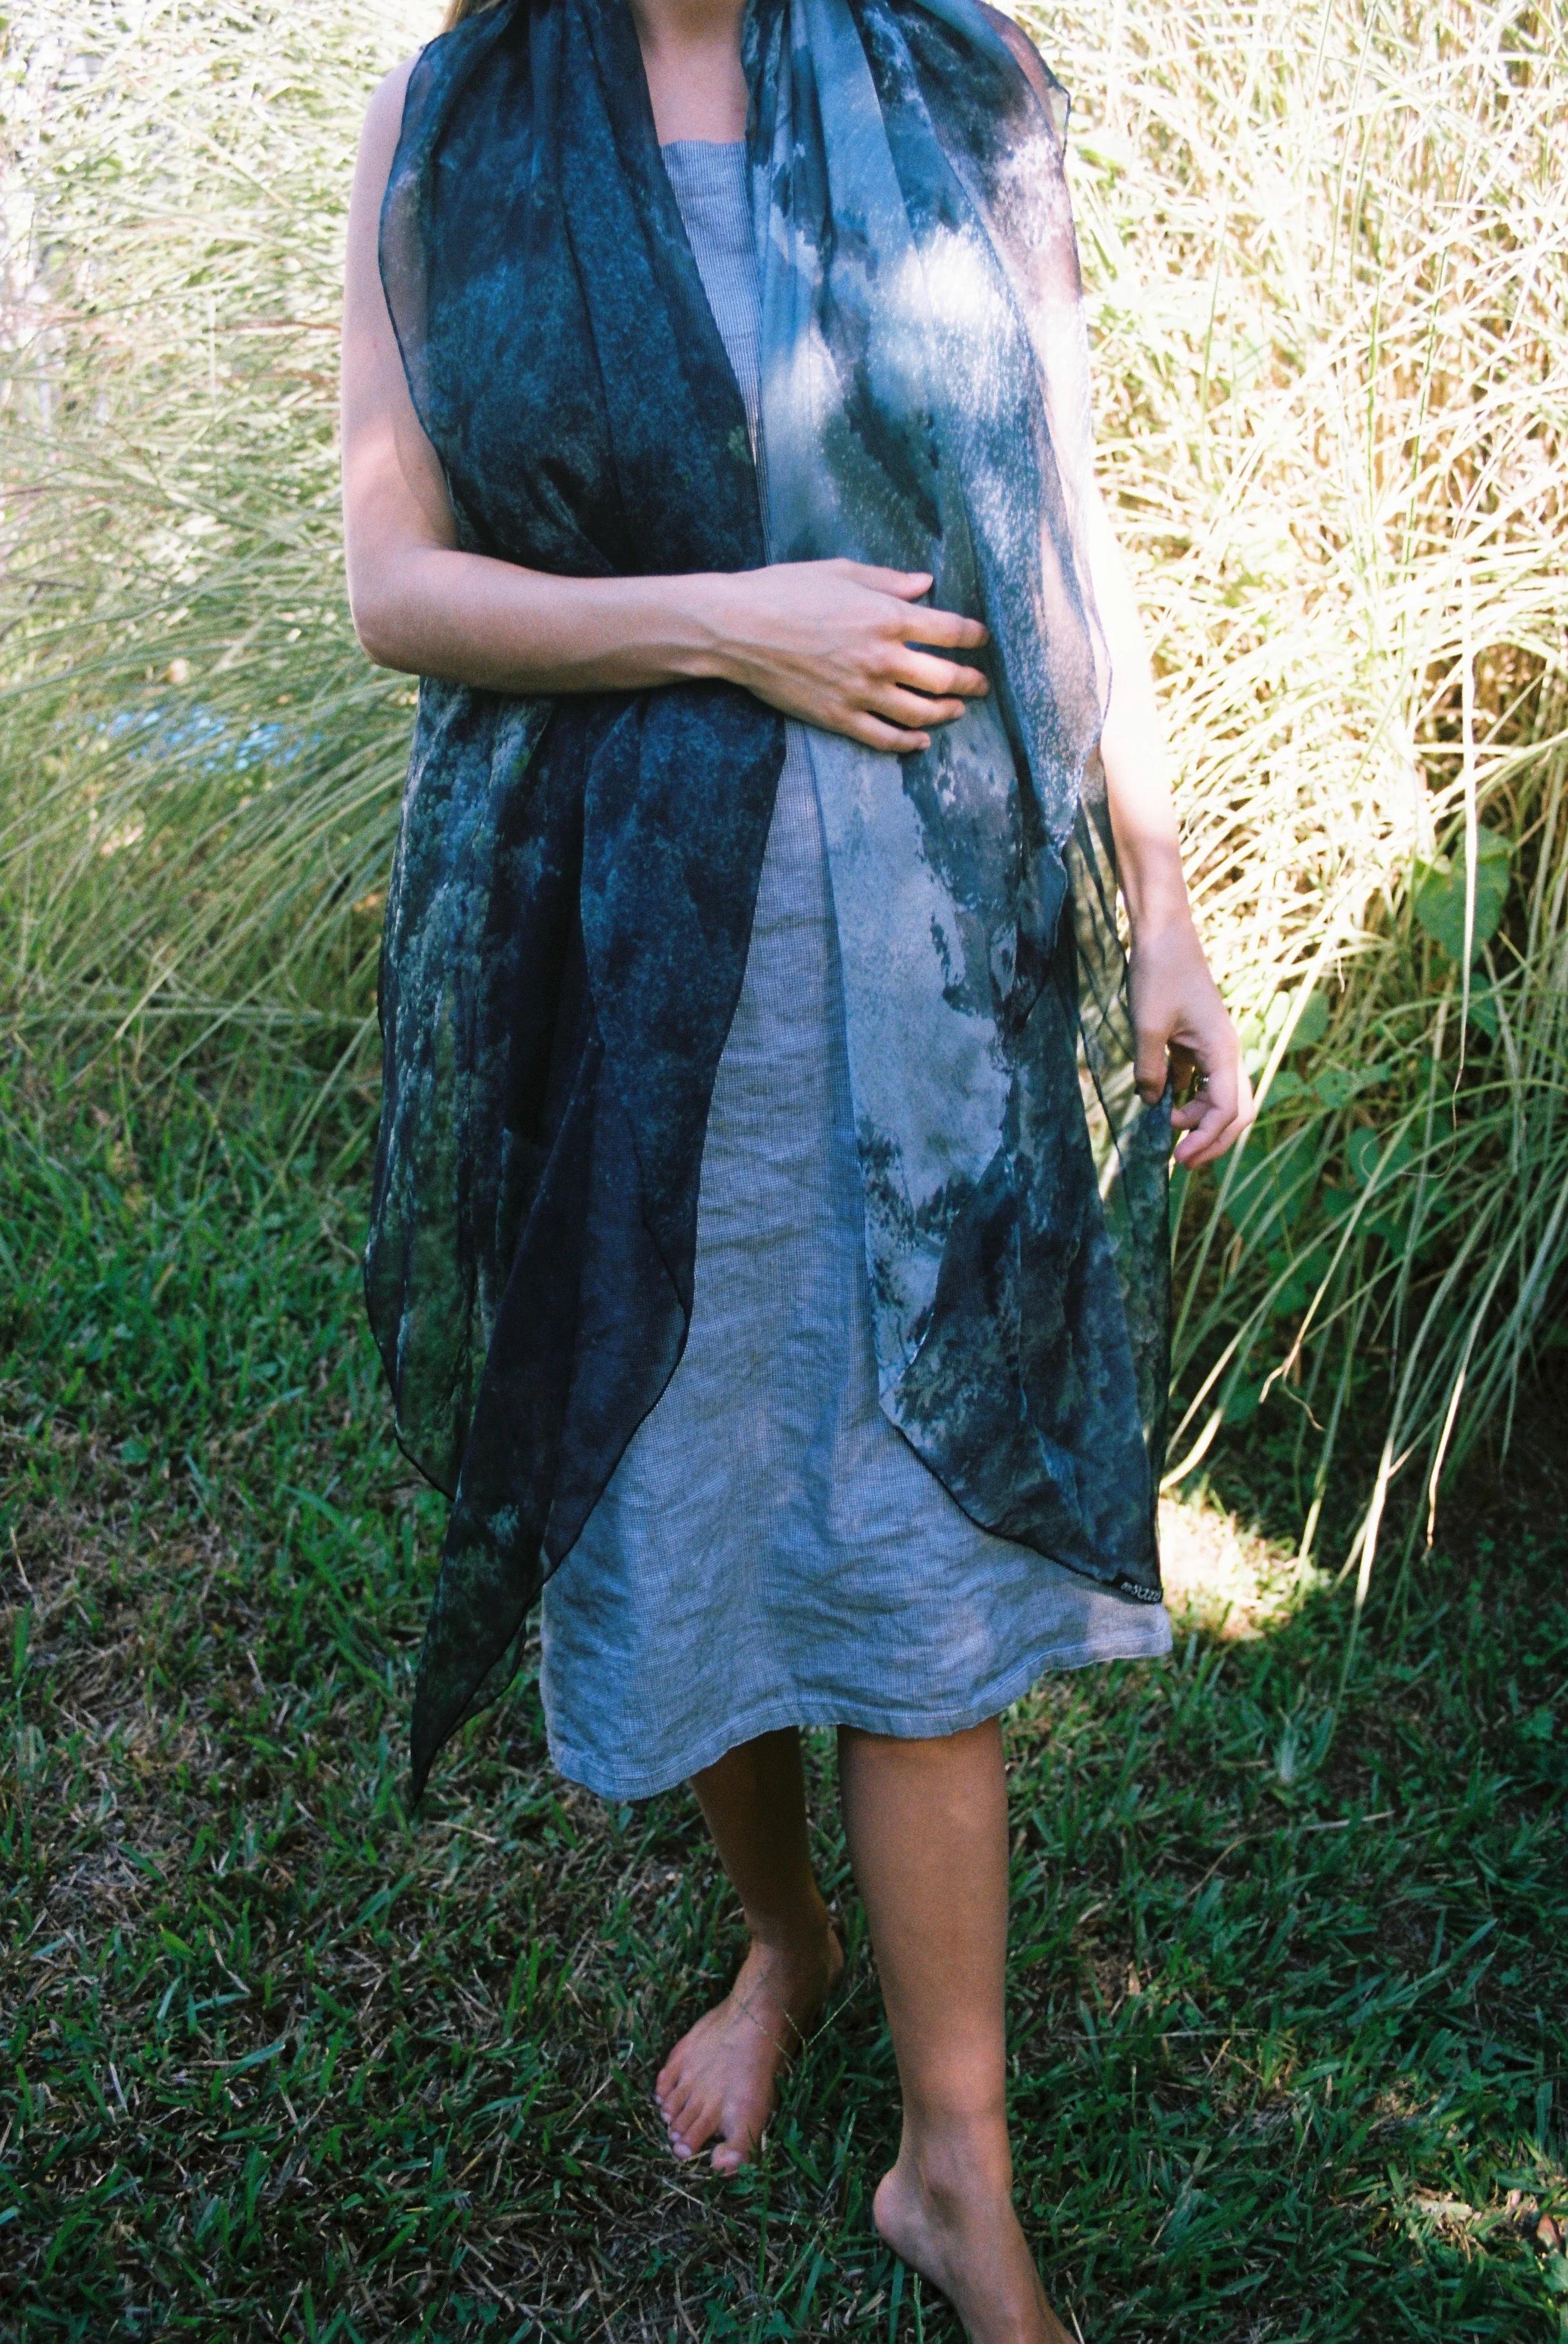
1288, 2010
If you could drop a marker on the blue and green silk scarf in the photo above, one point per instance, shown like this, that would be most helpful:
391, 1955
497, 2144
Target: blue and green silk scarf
574, 881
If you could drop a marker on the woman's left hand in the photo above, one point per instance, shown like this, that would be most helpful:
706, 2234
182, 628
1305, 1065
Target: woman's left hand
1184, 1029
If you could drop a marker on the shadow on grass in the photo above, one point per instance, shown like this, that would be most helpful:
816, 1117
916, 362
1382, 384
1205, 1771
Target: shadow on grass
1287, 2005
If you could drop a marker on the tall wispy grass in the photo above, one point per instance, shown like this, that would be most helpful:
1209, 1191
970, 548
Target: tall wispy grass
200, 772
1326, 247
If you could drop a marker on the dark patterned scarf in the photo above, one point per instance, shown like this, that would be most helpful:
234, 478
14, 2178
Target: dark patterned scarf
573, 894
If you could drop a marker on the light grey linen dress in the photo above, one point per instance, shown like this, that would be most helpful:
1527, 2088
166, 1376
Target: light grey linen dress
770, 1551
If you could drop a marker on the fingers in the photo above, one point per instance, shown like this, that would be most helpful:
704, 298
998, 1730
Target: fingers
922, 693
1205, 1127
876, 734
1215, 1118
912, 709
942, 678
947, 628
908, 584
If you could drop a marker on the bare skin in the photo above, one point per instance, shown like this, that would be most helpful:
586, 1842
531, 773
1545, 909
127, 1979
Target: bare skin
920, 1815
722, 2075
842, 646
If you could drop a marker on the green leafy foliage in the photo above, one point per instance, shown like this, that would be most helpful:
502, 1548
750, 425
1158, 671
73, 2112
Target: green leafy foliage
1461, 915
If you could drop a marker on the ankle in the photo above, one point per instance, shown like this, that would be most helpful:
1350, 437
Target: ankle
801, 1934
959, 2155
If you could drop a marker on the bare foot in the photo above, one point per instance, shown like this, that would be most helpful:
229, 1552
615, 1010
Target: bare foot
959, 2231
720, 2075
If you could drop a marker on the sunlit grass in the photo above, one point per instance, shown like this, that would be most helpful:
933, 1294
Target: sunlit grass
1286, 2004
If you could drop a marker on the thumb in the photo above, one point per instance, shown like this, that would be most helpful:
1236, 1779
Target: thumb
1150, 1066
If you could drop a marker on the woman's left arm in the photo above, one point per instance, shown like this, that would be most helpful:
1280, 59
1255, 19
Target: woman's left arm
1181, 1023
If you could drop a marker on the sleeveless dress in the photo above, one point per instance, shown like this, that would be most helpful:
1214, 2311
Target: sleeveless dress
770, 1551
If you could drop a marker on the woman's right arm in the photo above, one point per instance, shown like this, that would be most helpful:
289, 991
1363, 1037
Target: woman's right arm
822, 640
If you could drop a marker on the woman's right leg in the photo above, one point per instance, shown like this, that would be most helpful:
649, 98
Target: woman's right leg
721, 2076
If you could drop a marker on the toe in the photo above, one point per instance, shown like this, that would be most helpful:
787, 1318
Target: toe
668, 2115
739, 2139
696, 2122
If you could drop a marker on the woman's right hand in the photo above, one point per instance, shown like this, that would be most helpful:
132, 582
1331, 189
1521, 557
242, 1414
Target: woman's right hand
830, 642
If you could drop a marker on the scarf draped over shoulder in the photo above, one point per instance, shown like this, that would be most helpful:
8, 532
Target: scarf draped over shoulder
574, 880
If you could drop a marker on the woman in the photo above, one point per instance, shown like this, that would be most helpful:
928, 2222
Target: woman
768, 1241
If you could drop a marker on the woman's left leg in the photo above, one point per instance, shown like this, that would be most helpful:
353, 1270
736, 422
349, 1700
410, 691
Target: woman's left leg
721, 2076
926, 1821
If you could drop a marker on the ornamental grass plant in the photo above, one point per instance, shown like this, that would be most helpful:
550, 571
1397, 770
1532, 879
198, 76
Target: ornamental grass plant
1326, 249
200, 770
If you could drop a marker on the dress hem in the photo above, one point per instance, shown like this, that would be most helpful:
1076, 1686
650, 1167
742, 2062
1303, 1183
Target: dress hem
910, 1725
